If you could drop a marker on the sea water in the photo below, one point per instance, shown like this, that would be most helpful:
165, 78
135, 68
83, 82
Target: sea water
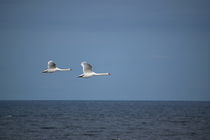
104, 120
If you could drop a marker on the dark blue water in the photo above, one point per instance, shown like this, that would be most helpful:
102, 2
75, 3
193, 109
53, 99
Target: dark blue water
104, 120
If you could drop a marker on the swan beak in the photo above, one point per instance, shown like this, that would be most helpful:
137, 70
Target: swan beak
109, 73
44, 71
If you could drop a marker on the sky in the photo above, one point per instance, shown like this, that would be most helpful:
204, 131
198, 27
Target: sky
155, 49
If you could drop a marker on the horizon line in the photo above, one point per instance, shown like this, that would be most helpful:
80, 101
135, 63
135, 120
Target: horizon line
104, 100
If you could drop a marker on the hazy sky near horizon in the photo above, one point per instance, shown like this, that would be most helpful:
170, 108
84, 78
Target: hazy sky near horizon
155, 49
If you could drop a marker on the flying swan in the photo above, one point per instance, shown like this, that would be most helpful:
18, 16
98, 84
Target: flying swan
52, 68
87, 71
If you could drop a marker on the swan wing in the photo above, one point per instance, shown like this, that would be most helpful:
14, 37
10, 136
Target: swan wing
51, 64
87, 68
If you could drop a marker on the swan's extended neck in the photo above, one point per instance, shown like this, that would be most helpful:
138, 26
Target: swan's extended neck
63, 69
98, 74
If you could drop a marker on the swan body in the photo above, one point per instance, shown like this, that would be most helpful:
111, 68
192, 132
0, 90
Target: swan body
87, 71
53, 68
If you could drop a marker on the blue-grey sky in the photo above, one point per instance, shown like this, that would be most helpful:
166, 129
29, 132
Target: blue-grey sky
155, 49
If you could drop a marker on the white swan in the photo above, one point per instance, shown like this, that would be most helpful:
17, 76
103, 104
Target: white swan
87, 71
52, 68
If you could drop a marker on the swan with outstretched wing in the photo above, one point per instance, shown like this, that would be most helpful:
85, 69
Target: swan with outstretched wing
53, 68
88, 72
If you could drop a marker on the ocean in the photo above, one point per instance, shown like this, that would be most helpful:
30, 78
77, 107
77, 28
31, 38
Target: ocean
104, 120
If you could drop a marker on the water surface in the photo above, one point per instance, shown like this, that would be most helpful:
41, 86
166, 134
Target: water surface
104, 120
